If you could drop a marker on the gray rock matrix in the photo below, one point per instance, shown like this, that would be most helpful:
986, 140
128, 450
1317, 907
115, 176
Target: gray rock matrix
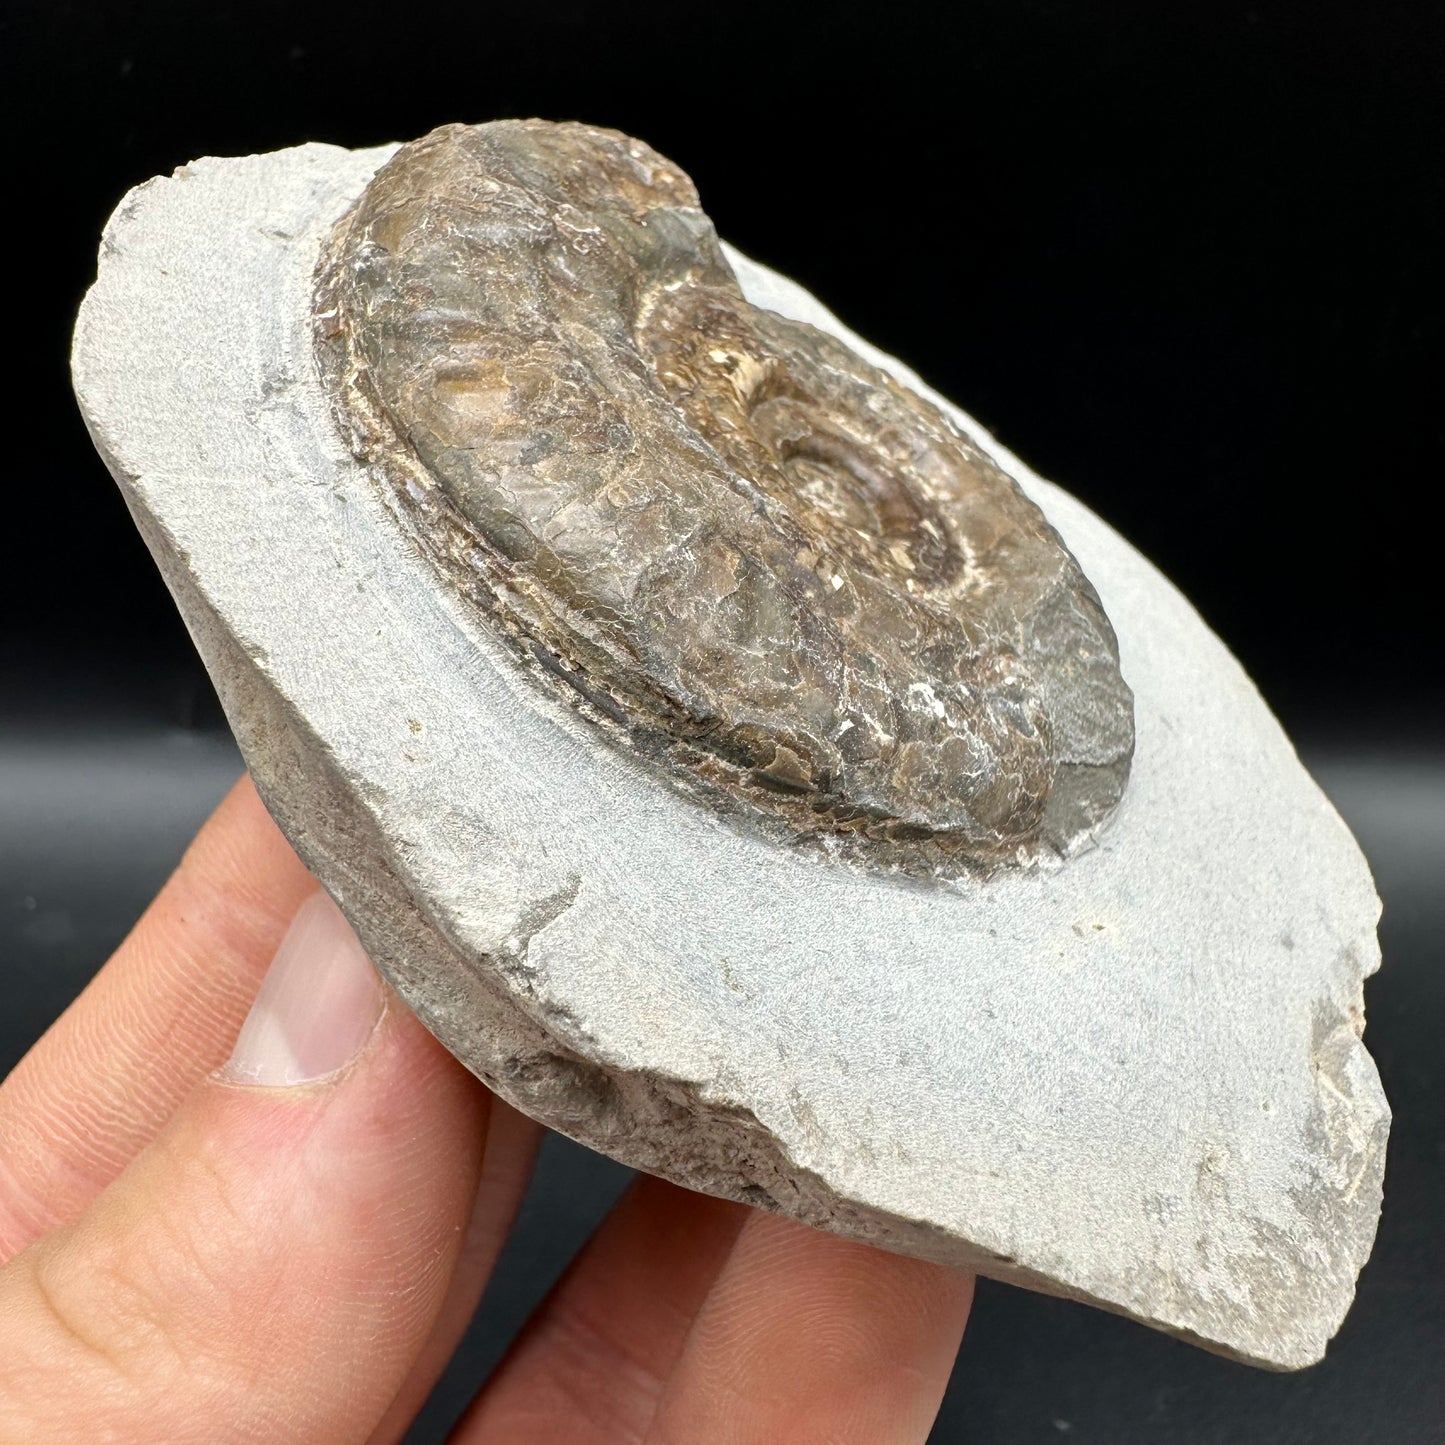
1133, 1078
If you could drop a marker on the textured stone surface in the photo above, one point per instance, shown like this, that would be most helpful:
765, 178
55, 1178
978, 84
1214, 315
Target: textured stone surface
745, 550
1133, 1077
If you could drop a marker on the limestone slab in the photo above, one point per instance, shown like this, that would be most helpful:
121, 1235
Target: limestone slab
1133, 1077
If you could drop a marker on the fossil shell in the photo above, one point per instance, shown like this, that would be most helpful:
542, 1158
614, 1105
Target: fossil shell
734, 543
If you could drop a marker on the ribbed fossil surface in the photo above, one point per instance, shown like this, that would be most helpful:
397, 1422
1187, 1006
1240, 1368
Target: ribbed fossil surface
740, 548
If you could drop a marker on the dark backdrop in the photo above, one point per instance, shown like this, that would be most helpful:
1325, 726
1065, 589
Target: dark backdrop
1178, 257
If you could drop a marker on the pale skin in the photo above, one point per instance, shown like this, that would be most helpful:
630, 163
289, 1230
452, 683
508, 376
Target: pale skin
188, 1258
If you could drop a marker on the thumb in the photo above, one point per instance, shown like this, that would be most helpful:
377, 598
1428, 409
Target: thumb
271, 1265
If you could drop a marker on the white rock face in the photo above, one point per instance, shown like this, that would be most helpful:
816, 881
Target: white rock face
1133, 1079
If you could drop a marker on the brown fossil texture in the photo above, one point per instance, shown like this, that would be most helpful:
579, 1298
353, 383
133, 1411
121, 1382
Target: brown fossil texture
737, 546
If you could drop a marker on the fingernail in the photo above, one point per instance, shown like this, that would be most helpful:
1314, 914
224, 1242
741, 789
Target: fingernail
318, 1004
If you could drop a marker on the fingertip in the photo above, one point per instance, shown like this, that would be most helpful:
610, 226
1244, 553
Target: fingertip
810, 1336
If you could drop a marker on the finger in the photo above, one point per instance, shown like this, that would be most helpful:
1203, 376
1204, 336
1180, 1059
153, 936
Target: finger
507, 1161
158, 1017
809, 1337
691, 1320
591, 1365
272, 1264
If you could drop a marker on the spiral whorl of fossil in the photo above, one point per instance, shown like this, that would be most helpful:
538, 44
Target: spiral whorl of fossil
740, 548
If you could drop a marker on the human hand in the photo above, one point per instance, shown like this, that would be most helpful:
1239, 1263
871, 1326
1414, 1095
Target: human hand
281, 1235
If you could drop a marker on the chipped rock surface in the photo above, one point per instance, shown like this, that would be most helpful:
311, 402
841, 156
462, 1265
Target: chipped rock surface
1133, 1078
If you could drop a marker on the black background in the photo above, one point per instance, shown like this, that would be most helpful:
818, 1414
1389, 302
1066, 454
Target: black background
1180, 258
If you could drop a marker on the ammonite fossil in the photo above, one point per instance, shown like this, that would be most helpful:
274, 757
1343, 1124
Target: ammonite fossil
739, 547
687, 716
